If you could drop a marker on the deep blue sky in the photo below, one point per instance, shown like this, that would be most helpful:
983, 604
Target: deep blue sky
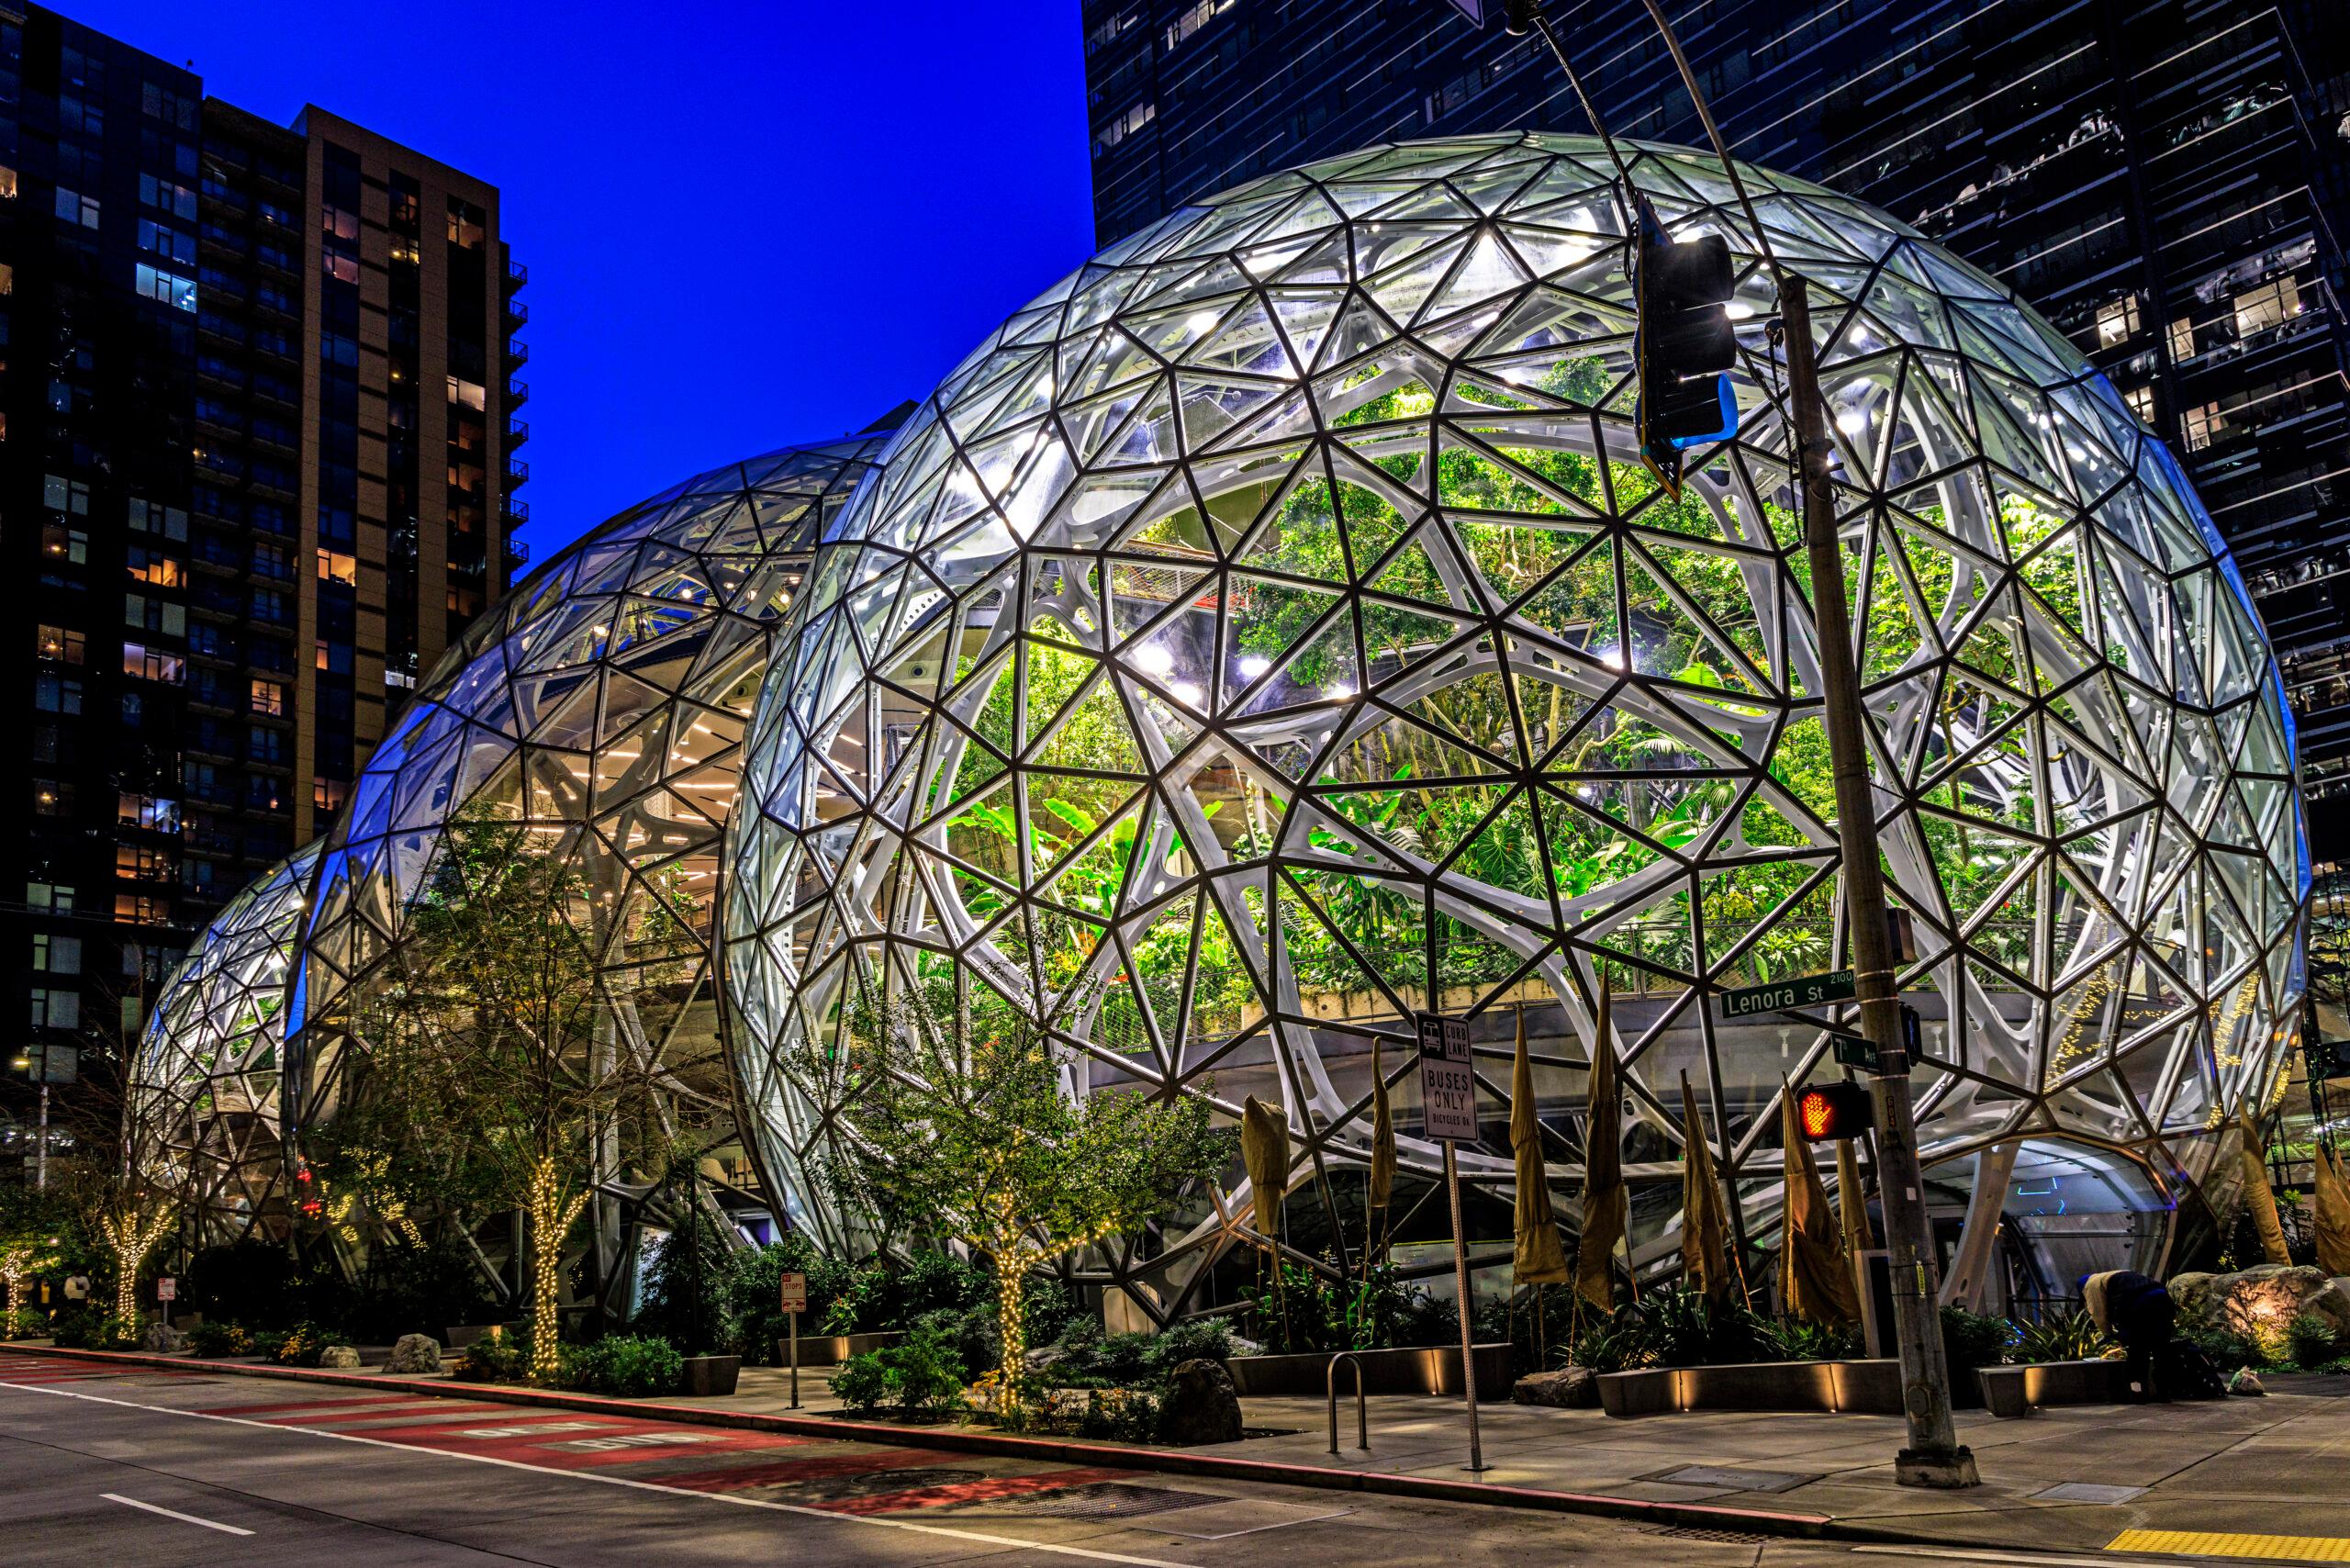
745, 224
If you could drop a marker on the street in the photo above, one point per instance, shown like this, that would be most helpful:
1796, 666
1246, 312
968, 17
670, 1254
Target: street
128, 1468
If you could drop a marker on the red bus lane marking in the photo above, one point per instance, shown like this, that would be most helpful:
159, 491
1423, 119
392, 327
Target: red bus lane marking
328, 1403
784, 1473
663, 1485
972, 1490
585, 1443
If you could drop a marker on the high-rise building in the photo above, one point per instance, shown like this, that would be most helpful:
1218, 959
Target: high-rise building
2166, 180
256, 470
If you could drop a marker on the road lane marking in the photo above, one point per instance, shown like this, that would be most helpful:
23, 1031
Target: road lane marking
870, 1522
2234, 1543
173, 1514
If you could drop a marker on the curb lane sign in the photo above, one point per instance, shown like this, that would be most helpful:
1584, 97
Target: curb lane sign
794, 1293
1448, 1084
1804, 991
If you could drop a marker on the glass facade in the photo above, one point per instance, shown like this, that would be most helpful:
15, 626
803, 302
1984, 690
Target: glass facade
1271, 630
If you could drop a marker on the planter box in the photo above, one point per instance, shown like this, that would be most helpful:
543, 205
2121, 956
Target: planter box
711, 1376
2017, 1391
832, 1349
1416, 1369
1872, 1387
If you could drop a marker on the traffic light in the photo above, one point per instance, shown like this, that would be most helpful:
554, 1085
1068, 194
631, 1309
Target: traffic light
1828, 1111
1683, 344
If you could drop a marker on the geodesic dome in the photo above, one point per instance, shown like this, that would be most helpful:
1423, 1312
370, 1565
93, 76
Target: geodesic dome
600, 705
1271, 628
205, 1084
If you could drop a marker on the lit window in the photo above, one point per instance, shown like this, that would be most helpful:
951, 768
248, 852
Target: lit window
2204, 425
55, 1010
68, 546
7, 182
65, 495
2117, 320
63, 644
142, 863
468, 392
326, 794
49, 896
154, 568
2182, 338
334, 567
52, 799
2271, 304
269, 696
167, 288
2142, 403
153, 664
7, 278
143, 909
57, 955
148, 812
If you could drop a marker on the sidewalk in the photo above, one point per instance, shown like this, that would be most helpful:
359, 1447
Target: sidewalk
2068, 1479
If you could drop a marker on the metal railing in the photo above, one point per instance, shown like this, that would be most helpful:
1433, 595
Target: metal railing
1362, 1409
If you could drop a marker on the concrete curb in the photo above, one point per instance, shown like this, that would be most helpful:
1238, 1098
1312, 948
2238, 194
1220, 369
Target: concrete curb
1059, 1450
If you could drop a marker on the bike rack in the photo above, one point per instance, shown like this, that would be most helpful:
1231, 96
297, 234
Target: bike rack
1362, 1410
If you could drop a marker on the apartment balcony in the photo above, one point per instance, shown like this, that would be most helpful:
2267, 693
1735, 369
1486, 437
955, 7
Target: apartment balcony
517, 432
517, 275
518, 354
517, 313
517, 393
517, 471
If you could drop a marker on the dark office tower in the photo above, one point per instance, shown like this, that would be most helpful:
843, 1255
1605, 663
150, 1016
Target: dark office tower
255, 469
407, 469
2163, 179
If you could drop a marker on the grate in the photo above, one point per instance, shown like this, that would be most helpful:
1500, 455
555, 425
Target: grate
1102, 1500
842, 1488
1728, 1537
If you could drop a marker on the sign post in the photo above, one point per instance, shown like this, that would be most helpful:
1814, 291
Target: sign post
1449, 1115
794, 1301
167, 1290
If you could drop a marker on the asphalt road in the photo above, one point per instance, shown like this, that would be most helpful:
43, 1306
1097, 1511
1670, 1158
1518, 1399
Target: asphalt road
107, 1469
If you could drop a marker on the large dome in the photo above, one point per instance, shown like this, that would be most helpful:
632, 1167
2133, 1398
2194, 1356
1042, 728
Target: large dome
1275, 615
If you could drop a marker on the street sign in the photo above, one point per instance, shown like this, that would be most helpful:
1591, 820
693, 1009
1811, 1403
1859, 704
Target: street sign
795, 1293
1806, 990
1448, 1084
167, 1289
1854, 1050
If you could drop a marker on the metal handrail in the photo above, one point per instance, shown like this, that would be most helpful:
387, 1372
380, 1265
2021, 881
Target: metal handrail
1362, 1410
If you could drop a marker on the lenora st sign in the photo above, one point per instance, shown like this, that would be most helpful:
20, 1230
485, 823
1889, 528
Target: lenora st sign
1806, 990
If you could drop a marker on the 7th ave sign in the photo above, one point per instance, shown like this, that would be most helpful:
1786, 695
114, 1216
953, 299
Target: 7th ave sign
1804, 991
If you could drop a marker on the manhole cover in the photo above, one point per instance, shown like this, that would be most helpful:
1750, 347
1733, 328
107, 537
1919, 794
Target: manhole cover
1107, 1499
1737, 1480
838, 1488
2088, 1492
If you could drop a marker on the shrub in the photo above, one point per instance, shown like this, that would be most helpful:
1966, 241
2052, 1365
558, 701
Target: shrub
861, 1383
1970, 1339
1201, 1339
627, 1366
2311, 1340
2227, 1349
209, 1339
493, 1357
673, 1309
301, 1345
923, 1372
2072, 1337
1799, 1341
22, 1324
83, 1328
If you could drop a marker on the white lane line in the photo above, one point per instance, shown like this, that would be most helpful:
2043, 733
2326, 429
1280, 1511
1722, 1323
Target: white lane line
871, 1520
172, 1513
2016, 1559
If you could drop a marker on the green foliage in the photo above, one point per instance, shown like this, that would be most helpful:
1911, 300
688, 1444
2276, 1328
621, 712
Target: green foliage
626, 1366
686, 1290
861, 1383
211, 1339
869, 1297
923, 1371
493, 1357
1354, 1314
1795, 1340
1970, 1340
302, 1344
79, 1326
2227, 1349
2311, 1340
1086, 1358
2070, 1336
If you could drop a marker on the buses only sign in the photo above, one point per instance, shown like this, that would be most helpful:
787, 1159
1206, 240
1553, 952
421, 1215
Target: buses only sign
1447, 1082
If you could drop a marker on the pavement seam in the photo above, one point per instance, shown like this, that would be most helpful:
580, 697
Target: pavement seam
1700, 1516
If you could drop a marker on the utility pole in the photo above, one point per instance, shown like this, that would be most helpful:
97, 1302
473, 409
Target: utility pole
1934, 1457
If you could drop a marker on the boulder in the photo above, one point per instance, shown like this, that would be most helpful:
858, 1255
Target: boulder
415, 1353
1201, 1406
161, 1340
2258, 1303
339, 1356
1569, 1388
